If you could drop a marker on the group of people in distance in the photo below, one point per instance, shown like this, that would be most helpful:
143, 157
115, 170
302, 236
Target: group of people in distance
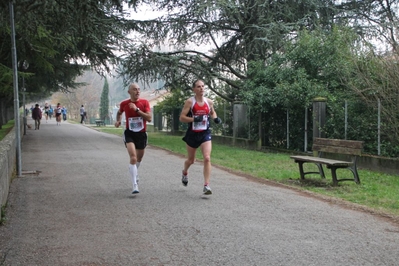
37, 113
197, 112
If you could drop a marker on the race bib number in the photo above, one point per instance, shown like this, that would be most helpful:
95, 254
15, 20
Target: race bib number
202, 125
136, 124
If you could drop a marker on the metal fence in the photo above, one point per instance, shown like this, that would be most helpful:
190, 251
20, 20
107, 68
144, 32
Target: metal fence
294, 129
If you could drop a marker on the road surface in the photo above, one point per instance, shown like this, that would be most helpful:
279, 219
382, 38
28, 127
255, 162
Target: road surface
79, 210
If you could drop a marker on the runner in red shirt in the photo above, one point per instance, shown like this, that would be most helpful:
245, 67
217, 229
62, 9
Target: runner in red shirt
137, 113
197, 111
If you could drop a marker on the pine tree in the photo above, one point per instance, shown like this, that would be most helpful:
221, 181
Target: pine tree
104, 101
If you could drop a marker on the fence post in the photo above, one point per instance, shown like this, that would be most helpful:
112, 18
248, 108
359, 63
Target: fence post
175, 120
379, 128
319, 117
305, 148
288, 129
346, 119
260, 130
240, 120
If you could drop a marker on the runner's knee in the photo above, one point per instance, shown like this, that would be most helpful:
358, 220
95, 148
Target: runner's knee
133, 159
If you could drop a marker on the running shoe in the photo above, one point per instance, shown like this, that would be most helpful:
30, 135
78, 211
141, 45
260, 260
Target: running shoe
184, 179
135, 189
207, 190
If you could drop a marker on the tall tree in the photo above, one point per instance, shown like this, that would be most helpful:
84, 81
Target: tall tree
215, 40
58, 39
104, 101
373, 20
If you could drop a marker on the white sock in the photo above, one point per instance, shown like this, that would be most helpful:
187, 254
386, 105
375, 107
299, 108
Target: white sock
138, 164
133, 173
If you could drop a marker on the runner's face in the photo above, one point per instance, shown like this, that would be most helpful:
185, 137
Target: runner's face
199, 88
134, 91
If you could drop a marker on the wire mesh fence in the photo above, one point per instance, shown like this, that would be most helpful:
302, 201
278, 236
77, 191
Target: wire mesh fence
376, 124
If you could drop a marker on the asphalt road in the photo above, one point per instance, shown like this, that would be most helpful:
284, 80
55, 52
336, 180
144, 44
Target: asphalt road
79, 210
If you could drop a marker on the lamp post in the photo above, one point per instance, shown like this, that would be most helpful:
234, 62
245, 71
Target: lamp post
16, 99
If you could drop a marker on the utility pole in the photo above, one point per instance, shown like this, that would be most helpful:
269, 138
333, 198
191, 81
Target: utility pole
16, 98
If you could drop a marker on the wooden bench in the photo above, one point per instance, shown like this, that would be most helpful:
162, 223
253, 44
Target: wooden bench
351, 148
100, 123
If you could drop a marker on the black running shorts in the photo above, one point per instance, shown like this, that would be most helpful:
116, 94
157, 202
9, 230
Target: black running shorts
195, 139
138, 138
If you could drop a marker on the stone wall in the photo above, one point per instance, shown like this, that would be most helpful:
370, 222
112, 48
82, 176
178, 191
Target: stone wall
8, 158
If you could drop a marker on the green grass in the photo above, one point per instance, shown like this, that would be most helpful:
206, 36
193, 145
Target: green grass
110, 130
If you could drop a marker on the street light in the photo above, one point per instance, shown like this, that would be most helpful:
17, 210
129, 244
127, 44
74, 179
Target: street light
15, 82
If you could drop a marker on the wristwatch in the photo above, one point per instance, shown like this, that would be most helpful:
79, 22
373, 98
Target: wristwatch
137, 109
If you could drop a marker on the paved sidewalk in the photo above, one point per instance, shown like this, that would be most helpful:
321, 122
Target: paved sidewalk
79, 210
